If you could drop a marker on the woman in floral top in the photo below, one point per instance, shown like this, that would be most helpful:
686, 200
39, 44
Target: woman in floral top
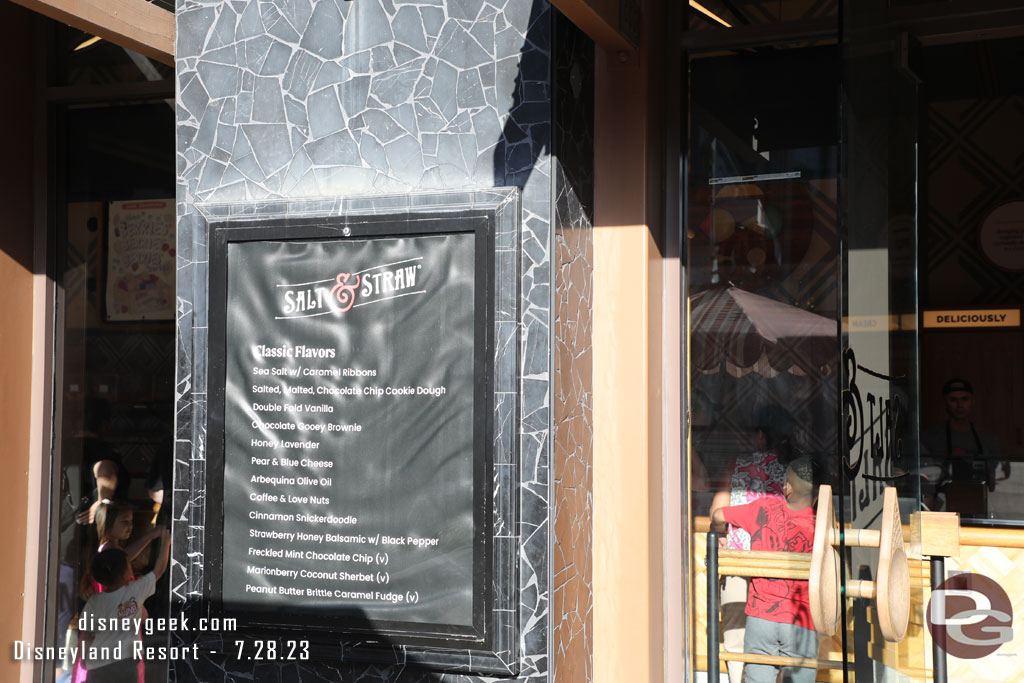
754, 476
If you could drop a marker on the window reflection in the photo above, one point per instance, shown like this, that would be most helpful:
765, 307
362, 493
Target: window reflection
762, 266
762, 256
114, 415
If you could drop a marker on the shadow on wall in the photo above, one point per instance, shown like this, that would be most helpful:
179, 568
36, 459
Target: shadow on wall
527, 130
16, 175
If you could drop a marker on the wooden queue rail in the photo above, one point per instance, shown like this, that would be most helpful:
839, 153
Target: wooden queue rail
754, 563
865, 537
764, 565
981, 537
973, 536
778, 565
702, 660
930, 535
890, 591
776, 660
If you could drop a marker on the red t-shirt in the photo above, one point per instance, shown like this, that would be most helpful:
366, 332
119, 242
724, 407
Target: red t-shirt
774, 526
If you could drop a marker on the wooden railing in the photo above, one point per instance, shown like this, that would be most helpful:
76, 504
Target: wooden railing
974, 536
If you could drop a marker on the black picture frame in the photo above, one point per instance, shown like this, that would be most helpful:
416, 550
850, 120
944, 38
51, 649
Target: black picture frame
489, 645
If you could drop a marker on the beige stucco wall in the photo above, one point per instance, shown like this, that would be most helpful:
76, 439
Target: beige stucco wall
631, 641
16, 319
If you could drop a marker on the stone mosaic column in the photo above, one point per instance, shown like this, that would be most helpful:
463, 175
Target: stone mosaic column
303, 99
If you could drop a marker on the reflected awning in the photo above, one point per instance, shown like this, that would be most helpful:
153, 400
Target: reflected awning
740, 332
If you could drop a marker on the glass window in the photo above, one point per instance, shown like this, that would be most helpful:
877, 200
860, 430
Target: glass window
115, 348
763, 270
972, 279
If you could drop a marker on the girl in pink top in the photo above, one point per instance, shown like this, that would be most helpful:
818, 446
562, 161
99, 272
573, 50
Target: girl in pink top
114, 524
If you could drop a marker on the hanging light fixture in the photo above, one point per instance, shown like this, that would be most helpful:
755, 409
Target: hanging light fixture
86, 43
708, 13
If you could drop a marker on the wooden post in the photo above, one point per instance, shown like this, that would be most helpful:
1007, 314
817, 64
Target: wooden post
134, 24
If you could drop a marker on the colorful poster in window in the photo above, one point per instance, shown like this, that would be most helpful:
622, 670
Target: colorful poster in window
141, 260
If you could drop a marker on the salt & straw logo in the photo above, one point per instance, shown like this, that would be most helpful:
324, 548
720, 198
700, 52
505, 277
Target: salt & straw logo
970, 616
348, 290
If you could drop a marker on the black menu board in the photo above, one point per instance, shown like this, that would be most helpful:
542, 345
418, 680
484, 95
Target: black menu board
353, 442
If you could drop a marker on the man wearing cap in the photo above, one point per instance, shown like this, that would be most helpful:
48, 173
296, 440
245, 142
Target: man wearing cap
966, 454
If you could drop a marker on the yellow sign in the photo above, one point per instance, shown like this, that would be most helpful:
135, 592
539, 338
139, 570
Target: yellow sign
879, 323
996, 317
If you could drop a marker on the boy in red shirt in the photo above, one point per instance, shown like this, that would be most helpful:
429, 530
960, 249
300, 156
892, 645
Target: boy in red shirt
778, 612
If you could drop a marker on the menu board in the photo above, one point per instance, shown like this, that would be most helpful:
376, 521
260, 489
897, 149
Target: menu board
351, 481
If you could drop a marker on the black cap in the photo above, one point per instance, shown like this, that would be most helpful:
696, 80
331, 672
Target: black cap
956, 384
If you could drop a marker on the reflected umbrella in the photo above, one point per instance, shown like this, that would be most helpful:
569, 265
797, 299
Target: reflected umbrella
739, 332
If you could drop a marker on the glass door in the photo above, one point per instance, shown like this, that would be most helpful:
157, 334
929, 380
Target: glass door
763, 291
812, 168
879, 449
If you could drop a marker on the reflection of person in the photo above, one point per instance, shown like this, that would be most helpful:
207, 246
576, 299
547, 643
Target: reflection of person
115, 522
755, 476
70, 558
114, 525
101, 464
778, 610
121, 598
158, 483
956, 450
